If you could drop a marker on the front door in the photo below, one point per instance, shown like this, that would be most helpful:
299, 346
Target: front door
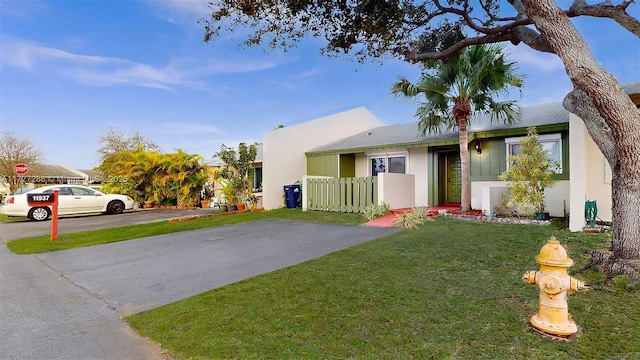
454, 178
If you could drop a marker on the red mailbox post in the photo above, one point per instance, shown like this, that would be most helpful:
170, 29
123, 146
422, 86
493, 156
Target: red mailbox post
47, 200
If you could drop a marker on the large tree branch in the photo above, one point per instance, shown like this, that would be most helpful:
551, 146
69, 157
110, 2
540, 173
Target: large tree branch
435, 55
516, 36
607, 10
579, 103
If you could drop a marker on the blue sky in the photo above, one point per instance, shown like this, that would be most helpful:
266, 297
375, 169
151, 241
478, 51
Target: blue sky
70, 70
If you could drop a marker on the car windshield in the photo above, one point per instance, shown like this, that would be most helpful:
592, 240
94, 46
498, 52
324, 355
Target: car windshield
82, 191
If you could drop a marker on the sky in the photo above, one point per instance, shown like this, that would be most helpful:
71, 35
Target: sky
70, 70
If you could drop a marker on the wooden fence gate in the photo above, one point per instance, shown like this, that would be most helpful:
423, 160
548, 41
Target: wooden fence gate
341, 194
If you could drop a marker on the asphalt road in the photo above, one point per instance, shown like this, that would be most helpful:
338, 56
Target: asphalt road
71, 224
68, 304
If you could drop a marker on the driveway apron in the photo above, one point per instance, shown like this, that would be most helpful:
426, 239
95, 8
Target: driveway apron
67, 304
45, 316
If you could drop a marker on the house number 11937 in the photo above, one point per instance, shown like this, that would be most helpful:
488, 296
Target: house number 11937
39, 198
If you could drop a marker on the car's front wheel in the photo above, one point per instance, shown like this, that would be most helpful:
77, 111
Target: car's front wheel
39, 213
115, 207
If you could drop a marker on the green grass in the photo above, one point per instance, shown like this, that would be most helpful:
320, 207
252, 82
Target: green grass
447, 290
41, 244
6, 219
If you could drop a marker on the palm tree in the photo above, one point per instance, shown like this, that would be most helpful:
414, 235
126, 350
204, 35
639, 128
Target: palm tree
142, 167
458, 87
187, 174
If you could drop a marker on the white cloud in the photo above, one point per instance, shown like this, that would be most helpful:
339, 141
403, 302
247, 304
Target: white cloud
287, 85
189, 6
106, 71
186, 128
23, 9
525, 56
310, 73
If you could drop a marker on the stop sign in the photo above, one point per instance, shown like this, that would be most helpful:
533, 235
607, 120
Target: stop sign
20, 169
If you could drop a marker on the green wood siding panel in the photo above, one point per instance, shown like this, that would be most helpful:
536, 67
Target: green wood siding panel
493, 160
322, 165
347, 165
489, 164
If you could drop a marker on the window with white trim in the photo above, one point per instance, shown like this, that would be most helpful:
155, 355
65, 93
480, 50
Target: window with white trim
391, 162
551, 144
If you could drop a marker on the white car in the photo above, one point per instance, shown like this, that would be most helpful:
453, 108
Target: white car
72, 199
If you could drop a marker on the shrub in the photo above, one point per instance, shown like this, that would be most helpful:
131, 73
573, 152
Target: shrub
375, 211
530, 173
411, 219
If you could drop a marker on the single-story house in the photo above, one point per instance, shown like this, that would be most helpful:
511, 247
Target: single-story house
42, 174
414, 171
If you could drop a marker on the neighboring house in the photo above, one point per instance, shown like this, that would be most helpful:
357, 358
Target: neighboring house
216, 165
91, 176
40, 174
428, 169
284, 148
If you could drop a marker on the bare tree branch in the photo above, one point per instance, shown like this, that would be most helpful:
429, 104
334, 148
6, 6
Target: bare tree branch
607, 10
518, 35
464, 14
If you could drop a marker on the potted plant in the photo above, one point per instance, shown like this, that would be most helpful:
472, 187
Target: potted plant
236, 172
206, 194
230, 194
253, 201
530, 174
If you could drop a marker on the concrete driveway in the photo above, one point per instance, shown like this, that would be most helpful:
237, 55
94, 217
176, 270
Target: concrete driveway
67, 304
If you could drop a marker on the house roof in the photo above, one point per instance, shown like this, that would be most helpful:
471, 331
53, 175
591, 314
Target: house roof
51, 171
547, 114
407, 133
632, 89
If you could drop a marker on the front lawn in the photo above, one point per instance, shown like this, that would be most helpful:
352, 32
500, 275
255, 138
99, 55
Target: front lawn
43, 243
448, 290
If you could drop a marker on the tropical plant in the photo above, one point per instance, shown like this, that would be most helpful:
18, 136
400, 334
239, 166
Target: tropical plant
457, 88
161, 178
412, 218
114, 144
185, 175
228, 190
141, 167
374, 211
530, 173
238, 167
420, 213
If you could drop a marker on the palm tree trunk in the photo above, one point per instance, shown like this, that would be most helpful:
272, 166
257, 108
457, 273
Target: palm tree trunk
462, 113
465, 197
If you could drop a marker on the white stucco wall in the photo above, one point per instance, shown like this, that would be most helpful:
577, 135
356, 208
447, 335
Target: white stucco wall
284, 149
418, 166
557, 198
590, 175
396, 190
598, 180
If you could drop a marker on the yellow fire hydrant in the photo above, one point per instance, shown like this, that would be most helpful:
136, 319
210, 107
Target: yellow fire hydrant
554, 282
